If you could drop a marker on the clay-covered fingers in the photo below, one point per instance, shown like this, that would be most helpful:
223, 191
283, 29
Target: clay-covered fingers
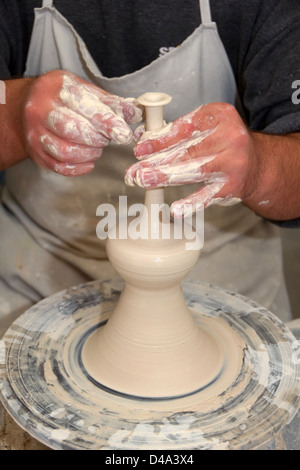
127, 108
175, 174
72, 127
202, 198
60, 156
174, 165
210, 146
65, 151
68, 121
65, 169
178, 154
205, 119
108, 114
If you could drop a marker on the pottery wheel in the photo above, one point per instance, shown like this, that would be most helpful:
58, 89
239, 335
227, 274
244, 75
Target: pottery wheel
45, 388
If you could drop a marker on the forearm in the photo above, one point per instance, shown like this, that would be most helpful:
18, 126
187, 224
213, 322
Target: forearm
274, 182
12, 149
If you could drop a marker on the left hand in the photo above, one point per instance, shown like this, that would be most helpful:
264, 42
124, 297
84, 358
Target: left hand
210, 145
68, 122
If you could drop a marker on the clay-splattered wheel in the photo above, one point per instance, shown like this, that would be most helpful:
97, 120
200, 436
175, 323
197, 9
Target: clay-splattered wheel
45, 388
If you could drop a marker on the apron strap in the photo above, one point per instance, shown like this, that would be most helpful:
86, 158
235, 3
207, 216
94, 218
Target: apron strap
47, 3
205, 11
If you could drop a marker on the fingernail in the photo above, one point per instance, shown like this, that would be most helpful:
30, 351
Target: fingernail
129, 180
142, 149
146, 178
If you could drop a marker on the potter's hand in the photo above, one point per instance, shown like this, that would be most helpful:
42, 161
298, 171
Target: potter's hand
210, 146
69, 121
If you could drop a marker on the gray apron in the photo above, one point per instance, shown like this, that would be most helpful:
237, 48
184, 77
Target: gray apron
48, 221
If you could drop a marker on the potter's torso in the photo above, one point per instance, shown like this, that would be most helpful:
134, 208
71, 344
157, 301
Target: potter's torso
67, 207
64, 220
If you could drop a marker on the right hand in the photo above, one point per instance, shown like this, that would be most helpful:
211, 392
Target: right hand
68, 122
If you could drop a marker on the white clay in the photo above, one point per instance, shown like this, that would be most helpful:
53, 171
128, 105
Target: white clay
75, 127
151, 347
87, 105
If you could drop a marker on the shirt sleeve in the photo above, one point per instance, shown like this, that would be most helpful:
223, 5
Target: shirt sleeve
270, 72
6, 41
295, 223
16, 19
271, 67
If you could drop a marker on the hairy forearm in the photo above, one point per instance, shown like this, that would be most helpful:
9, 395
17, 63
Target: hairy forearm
275, 180
12, 148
